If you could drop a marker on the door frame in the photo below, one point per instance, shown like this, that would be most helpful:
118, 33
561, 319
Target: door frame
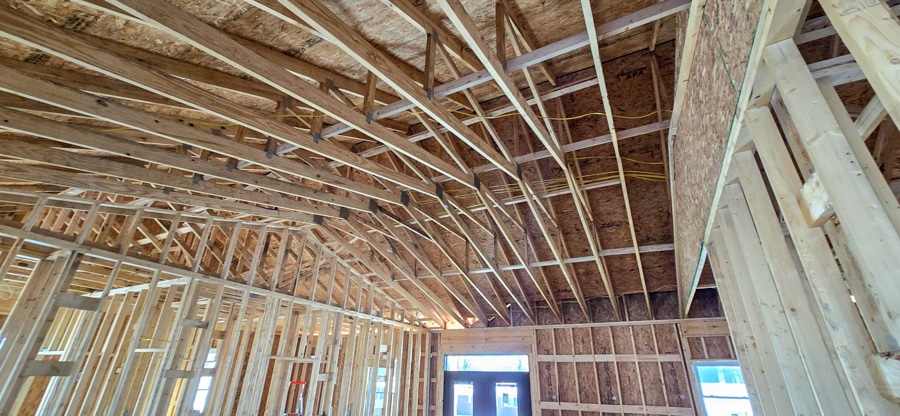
485, 341
482, 379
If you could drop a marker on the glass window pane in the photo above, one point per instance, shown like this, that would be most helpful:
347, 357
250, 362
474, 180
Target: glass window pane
507, 399
723, 389
727, 407
200, 400
463, 392
210, 359
205, 382
516, 363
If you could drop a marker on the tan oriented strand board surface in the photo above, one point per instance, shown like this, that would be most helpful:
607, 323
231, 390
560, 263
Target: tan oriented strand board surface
615, 370
720, 59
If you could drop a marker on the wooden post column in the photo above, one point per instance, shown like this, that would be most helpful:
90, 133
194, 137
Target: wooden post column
847, 333
28, 324
746, 348
844, 181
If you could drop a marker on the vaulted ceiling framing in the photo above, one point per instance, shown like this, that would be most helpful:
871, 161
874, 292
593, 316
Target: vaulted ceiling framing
415, 193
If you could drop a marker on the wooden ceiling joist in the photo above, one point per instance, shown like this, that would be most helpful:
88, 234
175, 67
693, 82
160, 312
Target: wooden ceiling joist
128, 264
545, 53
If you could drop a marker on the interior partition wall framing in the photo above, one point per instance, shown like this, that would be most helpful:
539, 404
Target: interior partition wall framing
99, 328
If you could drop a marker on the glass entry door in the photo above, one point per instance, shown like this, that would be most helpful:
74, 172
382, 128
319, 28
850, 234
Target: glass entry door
507, 395
463, 393
478, 393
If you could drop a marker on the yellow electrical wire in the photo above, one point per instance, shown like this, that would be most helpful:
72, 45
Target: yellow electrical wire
409, 112
624, 158
549, 185
557, 184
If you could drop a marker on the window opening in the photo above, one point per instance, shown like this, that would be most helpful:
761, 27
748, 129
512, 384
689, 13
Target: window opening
491, 363
205, 383
722, 388
380, 385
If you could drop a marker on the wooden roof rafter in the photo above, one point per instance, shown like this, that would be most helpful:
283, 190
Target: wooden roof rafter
85, 53
325, 22
497, 70
506, 14
43, 154
331, 233
407, 241
386, 250
249, 170
205, 75
532, 198
610, 122
544, 53
329, 26
48, 121
297, 67
469, 283
45, 175
454, 46
93, 106
217, 44
444, 248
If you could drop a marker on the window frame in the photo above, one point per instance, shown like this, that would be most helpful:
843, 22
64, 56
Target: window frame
697, 364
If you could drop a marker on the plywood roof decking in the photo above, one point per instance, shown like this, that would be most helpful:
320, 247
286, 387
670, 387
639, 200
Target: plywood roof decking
198, 153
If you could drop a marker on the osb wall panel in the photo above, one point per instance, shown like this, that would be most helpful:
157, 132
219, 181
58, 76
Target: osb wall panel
720, 58
603, 369
595, 367
627, 369
631, 308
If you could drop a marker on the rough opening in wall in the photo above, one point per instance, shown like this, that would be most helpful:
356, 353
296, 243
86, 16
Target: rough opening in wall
486, 384
486, 363
203, 388
722, 388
